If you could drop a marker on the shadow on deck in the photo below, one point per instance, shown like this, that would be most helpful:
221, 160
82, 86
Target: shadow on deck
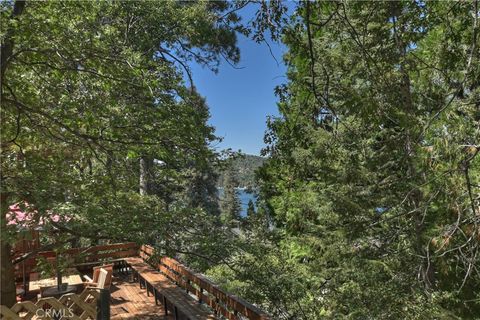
128, 301
144, 284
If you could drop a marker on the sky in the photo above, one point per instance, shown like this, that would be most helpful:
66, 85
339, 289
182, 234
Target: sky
241, 99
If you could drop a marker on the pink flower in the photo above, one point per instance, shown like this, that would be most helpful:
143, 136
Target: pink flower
28, 218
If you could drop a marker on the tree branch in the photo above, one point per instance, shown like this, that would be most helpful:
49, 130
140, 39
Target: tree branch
8, 43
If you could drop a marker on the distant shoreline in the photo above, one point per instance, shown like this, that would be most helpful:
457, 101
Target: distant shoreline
246, 189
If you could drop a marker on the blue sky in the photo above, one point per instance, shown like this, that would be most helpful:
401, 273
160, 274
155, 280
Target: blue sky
240, 99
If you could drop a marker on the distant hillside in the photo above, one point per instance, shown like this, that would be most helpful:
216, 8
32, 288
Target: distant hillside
244, 168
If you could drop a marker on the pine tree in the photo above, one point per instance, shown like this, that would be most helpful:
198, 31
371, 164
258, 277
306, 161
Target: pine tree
373, 175
230, 202
250, 208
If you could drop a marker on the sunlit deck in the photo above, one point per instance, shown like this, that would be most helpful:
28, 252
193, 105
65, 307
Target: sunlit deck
128, 301
143, 286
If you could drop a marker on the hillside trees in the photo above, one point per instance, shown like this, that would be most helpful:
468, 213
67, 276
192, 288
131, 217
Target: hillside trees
373, 169
230, 202
87, 89
245, 166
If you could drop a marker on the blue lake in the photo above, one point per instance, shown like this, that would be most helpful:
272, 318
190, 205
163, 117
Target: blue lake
244, 196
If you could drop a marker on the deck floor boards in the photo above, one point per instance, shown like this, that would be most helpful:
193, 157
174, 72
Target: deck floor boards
128, 301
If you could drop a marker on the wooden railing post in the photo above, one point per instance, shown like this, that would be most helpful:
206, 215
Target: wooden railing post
103, 305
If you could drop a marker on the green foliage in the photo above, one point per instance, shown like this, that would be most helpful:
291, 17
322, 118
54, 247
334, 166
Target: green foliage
244, 166
230, 202
45, 268
90, 88
250, 208
368, 205
371, 187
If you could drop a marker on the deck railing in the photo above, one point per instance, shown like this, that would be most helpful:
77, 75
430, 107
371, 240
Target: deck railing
79, 256
205, 291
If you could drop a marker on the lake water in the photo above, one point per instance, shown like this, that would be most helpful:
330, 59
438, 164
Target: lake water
244, 196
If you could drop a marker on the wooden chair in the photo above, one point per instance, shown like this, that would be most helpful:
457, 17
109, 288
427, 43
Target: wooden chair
104, 279
96, 273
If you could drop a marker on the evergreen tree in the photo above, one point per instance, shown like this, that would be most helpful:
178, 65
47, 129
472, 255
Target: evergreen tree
373, 161
250, 208
230, 203
373, 174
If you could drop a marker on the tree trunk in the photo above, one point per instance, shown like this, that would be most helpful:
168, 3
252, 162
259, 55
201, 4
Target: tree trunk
146, 164
7, 285
7, 288
415, 197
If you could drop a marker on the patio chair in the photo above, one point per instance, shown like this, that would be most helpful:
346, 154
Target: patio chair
104, 279
96, 272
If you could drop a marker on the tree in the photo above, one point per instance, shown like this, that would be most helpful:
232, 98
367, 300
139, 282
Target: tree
373, 172
373, 158
230, 202
245, 166
250, 208
87, 90
200, 190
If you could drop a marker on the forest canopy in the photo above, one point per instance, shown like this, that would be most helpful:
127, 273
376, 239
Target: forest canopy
373, 175
369, 183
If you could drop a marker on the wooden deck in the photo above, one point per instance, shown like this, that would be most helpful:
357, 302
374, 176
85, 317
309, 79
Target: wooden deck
185, 294
128, 301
